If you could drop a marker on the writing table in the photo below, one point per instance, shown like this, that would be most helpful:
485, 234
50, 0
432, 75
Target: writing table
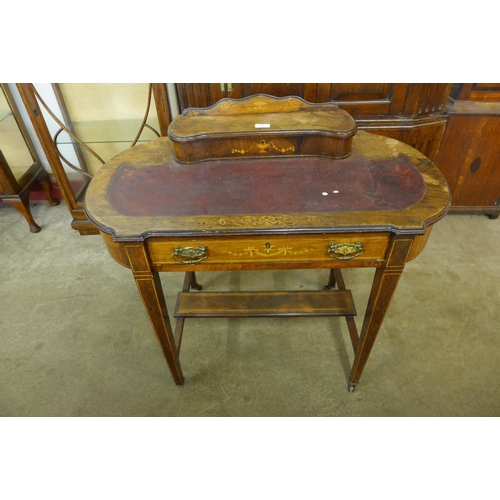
374, 208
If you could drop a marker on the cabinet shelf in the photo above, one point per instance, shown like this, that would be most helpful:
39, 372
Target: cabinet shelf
109, 131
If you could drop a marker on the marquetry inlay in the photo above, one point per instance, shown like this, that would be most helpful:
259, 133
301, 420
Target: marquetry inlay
267, 220
267, 250
264, 147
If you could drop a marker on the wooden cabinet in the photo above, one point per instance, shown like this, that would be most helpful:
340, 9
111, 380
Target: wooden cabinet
469, 157
19, 165
409, 112
365, 98
477, 92
98, 121
202, 95
358, 99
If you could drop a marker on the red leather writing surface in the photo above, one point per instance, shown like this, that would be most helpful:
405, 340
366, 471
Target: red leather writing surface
267, 186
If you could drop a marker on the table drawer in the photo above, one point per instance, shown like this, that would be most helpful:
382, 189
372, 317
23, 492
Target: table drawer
262, 250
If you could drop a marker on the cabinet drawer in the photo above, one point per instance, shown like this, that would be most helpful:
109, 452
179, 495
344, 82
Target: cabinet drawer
262, 251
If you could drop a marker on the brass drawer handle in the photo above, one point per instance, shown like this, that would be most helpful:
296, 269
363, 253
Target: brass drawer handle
345, 251
190, 255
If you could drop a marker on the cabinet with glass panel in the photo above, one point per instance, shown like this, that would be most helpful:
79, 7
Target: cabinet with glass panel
19, 164
83, 125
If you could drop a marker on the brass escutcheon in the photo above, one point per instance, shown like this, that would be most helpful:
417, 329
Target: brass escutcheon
190, 255
345, 251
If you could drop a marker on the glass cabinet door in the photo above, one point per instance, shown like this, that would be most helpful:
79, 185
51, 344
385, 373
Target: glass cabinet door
83, 125
13, 145
19, 164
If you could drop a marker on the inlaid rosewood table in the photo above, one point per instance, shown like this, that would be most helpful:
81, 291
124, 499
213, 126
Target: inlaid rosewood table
374, 208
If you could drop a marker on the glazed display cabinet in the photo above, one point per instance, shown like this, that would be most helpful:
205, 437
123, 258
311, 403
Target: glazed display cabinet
20, 166
90, 124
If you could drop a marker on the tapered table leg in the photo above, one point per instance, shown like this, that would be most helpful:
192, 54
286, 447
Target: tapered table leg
331, 281
383, 288
149, 286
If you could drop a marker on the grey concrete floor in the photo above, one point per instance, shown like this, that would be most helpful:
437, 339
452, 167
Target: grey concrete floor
75, 340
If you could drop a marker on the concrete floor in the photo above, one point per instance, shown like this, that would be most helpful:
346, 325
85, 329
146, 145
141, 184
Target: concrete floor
75, 340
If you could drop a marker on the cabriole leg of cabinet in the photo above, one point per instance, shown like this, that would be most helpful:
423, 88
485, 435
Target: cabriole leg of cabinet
22, 205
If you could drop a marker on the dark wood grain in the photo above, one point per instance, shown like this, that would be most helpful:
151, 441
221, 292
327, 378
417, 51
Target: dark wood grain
265, 304
479, 92
470, 154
